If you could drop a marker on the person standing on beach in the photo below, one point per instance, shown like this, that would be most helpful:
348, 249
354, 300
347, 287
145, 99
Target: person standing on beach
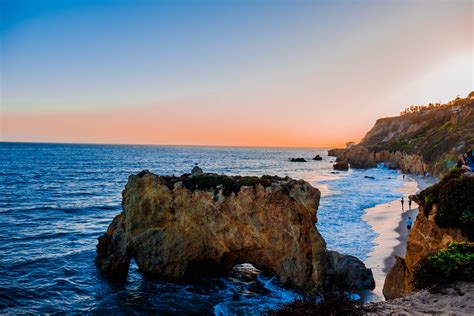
409, 223
409, 203
402, 201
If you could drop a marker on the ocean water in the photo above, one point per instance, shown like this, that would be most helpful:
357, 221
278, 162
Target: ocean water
57, 199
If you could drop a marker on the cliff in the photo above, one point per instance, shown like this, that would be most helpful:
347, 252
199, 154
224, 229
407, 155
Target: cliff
425, 239
446, 215
178, 226
425, 139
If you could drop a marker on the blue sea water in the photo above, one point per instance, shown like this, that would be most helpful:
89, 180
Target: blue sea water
56, 199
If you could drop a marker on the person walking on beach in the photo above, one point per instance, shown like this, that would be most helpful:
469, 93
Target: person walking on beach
409, 223
409, 203
402, 201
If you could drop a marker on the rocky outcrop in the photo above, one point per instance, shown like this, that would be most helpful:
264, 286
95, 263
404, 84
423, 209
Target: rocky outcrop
362, 157
179, 226
318, 157
336, 152
358, 157
349, 272
425, 238
429, 140
341, 165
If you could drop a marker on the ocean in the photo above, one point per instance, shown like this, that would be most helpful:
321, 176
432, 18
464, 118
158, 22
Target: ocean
57, 199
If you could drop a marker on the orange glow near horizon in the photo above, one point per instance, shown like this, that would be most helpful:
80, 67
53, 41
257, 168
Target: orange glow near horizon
126, 128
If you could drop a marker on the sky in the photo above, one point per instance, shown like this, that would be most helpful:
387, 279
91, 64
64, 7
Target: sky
279, 73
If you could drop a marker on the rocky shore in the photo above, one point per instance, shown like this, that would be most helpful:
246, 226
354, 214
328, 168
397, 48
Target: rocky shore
207, 223
426, 141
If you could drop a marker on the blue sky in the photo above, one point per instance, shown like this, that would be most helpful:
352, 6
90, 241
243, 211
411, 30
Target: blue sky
296, 63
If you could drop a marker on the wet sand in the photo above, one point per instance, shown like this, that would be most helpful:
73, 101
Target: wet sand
389, 222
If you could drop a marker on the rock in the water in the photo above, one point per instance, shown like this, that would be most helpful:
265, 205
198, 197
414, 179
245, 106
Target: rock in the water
318, 157
341, 165
178, 226
298, 160
348, 272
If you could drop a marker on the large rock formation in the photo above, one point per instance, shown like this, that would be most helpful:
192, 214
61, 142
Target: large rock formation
429, 139
425, 238
175, 226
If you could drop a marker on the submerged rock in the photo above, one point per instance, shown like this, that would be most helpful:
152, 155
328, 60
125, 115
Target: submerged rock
178, 226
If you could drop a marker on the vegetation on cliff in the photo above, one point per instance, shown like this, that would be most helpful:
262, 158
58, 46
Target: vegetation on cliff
228, 184
439, 133
445, 266
454, 195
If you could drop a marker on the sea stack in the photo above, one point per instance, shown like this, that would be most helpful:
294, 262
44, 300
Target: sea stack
176, 226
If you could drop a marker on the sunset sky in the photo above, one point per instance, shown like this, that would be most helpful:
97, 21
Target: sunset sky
246, 73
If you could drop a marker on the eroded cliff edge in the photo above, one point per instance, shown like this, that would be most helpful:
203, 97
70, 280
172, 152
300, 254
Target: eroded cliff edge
175, 226
425, 139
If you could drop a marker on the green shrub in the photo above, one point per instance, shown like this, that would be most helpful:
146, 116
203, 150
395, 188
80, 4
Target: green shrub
454, 195
454, 263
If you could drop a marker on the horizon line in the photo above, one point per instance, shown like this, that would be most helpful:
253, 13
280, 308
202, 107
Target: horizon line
163, 145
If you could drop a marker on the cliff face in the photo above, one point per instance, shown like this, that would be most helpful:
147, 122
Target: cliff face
175, 226
429, 140
425, 238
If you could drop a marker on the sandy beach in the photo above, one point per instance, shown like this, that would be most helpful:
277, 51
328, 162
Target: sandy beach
389, 222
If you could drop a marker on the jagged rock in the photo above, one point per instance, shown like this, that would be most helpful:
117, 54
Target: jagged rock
298, 160
348, 272
358, 157
318, 157
178, 226
341, 165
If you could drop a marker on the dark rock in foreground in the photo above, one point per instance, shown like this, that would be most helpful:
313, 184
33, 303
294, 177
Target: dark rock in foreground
179, 226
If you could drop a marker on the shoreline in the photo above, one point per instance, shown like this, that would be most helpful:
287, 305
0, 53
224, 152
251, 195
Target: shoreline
388, 221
